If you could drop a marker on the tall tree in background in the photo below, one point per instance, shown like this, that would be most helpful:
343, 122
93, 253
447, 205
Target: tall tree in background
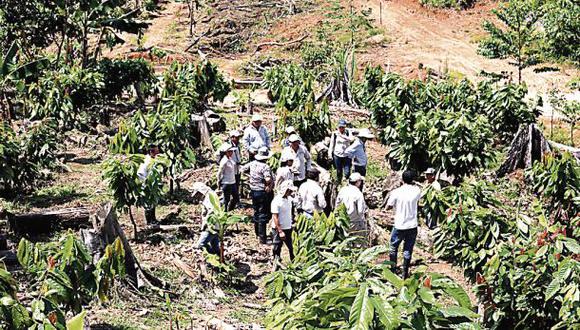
517, 37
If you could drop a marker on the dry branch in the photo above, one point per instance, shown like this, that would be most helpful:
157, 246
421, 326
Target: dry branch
280, 44
45, 222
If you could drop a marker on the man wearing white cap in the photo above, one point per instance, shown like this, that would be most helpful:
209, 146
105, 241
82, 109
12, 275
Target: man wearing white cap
261, 186
354, 201
282, 220
339, 142
227, 179
208, 239
432, 183
302, 160
256, 136
289, 131
284, 172
357, 151
311, 196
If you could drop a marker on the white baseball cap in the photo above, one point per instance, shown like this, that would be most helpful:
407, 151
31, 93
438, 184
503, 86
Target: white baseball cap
290, 129
366, 133
235, 133
257, 117
355, 177
293, 138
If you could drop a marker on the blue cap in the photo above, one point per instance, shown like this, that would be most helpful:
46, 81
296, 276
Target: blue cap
342, 123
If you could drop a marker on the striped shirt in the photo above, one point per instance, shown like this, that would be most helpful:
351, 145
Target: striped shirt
258, 173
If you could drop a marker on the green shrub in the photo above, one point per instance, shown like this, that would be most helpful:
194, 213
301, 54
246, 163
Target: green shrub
121, 75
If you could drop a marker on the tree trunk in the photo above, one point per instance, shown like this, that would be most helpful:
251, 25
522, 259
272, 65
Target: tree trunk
106, 225
133, 223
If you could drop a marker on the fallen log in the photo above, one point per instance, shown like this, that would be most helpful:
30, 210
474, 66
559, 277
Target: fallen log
184, 268
48, 221
246, 83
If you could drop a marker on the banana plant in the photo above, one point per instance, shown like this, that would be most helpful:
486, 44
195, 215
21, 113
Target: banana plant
219, 221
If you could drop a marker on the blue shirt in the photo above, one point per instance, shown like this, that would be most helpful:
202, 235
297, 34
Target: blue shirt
254, 138
357, 152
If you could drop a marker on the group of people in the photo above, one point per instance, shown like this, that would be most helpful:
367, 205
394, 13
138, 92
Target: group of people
278, 198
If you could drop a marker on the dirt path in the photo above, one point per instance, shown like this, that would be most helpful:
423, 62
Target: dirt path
442, 39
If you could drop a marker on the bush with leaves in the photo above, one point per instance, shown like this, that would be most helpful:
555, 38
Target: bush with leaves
557, 180
72, 95
194, 83
533, 281
475, 223
26, 158
333, 285
562, 29
171, 131
128, 190
219, 220
121, 75
64, 280
292, 88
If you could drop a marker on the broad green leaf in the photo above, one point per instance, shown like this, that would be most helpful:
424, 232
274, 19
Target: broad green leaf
77, 322
362, 311
387, 316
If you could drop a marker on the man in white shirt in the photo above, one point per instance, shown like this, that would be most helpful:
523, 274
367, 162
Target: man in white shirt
143, 173
282, 221
208, 239
284, 172
256, 136
404, 200
432, 183
339, 142
311, 196
289, 131
302, 159
227, 179
357, 151
353, 199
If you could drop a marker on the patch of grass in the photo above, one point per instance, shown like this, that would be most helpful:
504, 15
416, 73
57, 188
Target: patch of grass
377, 170
57, 194
244, 315
561, 132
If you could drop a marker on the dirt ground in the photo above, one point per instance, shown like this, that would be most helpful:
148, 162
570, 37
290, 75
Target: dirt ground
413, 35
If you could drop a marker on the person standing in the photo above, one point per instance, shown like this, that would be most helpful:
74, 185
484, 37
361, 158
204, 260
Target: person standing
261, 188
282, 221
208, 239
227, 179
143, 173
311, 196
432, 183
340, 140
284, 172
289, 131
302, 160
405, 201
353, 199
255, 137
357, 151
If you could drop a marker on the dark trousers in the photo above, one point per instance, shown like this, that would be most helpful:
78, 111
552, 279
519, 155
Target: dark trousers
343, 166
261, 203
277, 243
231, 196
209, 242
362, 170
408, 237
150, 216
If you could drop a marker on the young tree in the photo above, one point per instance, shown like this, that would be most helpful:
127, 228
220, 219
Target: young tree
517, 37
570, 110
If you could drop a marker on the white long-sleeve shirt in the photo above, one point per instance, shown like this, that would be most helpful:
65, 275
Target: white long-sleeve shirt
143, 170
302, 161
311, 197
354, 201
357, 152
227, 171
254, 138
338, 144
284, 173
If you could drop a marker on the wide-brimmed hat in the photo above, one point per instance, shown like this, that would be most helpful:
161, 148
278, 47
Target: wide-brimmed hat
365, 133
356, 177
285, 186
342, 123
293, 138
263, 154
257, 117
235, 133
430, 170
286, 157
290, 130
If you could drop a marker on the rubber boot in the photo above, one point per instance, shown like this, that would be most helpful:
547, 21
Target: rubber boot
150, 216
406, 265
262, 232
393, 259
256, 231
